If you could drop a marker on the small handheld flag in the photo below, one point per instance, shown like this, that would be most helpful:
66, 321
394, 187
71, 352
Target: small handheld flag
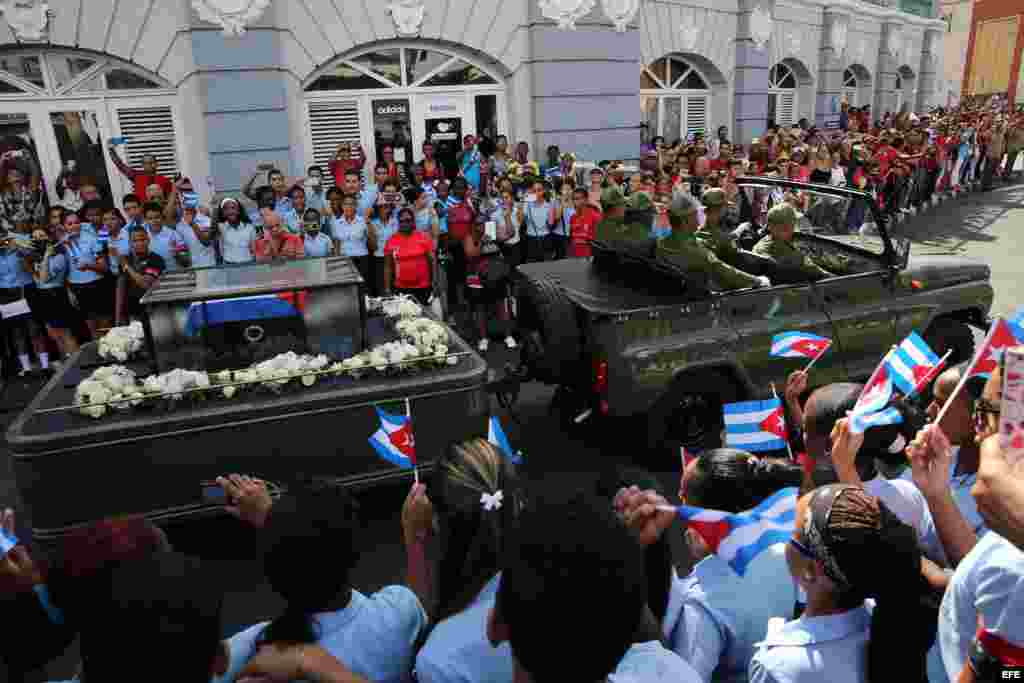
755, 425
872, 407
911, 362
879, 381
686, 457
741, 537
496, 436
7, 542
394, 440
799, 345
986, 359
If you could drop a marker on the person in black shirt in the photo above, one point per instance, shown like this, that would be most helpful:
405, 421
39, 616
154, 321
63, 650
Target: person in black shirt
139, 272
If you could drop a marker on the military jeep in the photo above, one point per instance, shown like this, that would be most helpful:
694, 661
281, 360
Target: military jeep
625, 336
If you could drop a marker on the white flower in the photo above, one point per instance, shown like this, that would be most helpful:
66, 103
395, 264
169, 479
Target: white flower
229, 391
308, 380
491, 502
224, 377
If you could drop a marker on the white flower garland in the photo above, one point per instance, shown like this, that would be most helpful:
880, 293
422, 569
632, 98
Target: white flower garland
121, 343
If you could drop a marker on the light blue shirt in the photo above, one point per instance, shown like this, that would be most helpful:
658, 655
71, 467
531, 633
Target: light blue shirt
164, 244
89, 228
373, 636
960, 487
715, 616
989, 582
458, 651
316, 200
236, 242
123, 244
367, 198
536, 215
292, 221
425, 221
907, 502
82, 249
56, 271
318, 246
815, 649
12, 270
384, 232
652, 663
351, 236
202, 255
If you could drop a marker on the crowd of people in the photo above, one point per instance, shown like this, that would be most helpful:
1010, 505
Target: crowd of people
903, 562
455, 233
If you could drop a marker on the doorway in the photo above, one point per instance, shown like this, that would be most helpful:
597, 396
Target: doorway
446, 136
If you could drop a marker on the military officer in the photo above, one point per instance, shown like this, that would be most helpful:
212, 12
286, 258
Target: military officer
614, 227
713, 235
777, 245
683, 250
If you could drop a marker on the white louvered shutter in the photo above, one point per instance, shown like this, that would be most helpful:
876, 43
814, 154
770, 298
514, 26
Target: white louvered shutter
697, 114
150, 130
785, 108
330, 124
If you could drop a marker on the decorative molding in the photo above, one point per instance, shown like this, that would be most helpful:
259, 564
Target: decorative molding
29, 19
837, 34
408, 16
688, 34
566, 12
621, 12
796, 43
760, 27
231, 15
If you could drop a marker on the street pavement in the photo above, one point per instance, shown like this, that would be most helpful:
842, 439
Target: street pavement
979, 225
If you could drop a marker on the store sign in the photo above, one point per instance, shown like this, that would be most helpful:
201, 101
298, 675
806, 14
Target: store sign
395, 108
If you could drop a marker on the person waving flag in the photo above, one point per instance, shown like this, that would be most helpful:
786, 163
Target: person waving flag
912, 362
799, 345
394, 440
756, 426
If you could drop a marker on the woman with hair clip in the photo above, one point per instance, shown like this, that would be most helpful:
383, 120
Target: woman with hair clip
476, 498
373, 635
714, 616
841, 539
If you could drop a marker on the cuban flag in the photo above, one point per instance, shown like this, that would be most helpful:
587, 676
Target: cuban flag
686, 457
799, 345
7, 541
911, 363
872, 407
739, 538
394, 440
264, 307
496, 436
756, 425
1016, 324
989, 355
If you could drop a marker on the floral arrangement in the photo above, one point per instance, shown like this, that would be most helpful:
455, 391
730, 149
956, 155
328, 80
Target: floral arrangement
109, 383
120, 343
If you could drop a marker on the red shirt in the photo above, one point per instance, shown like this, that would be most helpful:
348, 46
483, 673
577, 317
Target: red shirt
582, 229
412, 269
142, 181
885, 156
461, 217
339, 167
291, 247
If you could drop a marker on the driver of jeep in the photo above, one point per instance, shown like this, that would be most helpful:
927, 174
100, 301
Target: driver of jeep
777, 245
683, 250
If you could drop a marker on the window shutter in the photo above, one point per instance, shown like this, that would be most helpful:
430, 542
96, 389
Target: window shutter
330, 124
696, 114
785, 113
150, 130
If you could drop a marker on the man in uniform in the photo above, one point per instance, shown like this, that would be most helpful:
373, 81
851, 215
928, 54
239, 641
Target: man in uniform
777, 245
713, 235
683, 250
614, 227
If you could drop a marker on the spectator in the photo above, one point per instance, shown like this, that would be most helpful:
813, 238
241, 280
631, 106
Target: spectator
149, 175
87, 268
316, 197
21, 196
583, 224
68, 186
841, 536
352, 235
563, 553
196, 233
117, 238
49, 298
430, 168
409, 261
486, 284
369, 196
277, 243
371, 635
279, 187
509, 216
462, 216
393, 170
293, 216
501, 160
540, 215
139, 272
164, 240
344, 161
315, 243
383, 224
236, 233
474, 538
427, 221
469, 162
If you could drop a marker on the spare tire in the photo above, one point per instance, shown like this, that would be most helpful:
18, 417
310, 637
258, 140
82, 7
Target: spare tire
552, 345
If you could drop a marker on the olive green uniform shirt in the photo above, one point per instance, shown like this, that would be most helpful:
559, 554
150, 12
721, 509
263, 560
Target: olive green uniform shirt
685, 251
616, 229
787, 256
714, 238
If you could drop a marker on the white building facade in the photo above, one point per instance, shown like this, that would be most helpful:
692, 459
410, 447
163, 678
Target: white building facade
215, 87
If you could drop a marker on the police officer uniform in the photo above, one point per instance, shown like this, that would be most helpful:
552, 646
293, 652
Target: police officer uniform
782, 252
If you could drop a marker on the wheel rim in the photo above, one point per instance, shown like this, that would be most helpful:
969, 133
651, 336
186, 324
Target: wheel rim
695, 418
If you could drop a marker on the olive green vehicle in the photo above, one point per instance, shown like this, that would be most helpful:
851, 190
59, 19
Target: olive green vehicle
624, 336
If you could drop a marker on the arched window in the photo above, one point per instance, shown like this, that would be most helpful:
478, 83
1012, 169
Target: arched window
674, 99
782, 92
63, 106
850, 86
399, 96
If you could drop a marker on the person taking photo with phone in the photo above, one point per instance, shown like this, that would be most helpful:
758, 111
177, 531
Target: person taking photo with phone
149, 175
139, 272
197, 234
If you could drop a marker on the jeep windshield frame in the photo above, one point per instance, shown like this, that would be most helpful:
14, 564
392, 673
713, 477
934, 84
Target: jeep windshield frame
891, 257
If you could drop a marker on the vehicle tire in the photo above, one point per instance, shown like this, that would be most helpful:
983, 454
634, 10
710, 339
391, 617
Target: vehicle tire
948, 334
551, 346
690, 414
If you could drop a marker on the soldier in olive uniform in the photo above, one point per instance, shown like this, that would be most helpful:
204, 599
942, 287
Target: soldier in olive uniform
683, 250
777, 245
640, 209
614, 227
713, 234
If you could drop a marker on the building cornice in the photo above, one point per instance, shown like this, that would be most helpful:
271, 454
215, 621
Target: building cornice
858, 8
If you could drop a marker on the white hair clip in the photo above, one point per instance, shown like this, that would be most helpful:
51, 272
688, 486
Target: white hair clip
491, 501
898, 445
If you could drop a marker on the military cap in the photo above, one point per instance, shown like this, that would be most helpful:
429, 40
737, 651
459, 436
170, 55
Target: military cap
612, 197
714, 197
783, 214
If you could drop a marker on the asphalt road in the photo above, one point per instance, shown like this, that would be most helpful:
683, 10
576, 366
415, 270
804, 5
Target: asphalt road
986, 226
